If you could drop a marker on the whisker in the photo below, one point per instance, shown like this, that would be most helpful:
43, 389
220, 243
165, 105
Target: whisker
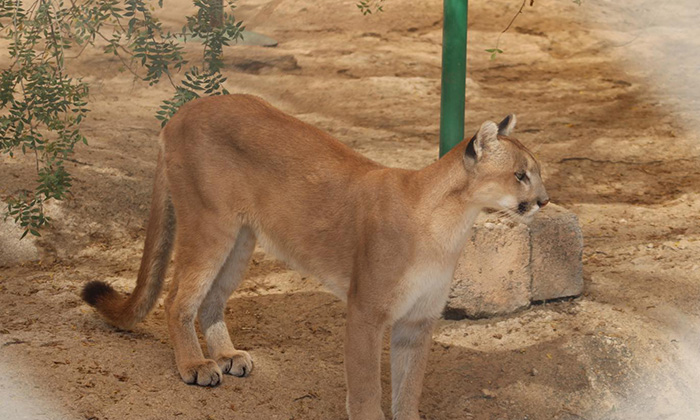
506, 213
498, 213
509, 214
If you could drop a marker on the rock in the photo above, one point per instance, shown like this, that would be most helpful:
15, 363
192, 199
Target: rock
503, 268
488, 394
13, 250
258, 65
253, 38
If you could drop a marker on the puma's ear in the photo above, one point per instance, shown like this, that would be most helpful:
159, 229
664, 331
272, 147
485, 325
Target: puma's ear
507, 125
470, 153
486, 139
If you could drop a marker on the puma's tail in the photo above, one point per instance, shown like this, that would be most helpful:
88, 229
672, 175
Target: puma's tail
125, 311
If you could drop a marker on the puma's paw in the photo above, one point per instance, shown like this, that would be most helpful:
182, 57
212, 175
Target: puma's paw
202, 373
372, 414
239, 363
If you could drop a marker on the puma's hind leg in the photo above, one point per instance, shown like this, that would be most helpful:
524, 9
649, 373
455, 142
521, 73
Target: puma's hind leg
211, 313
200, 253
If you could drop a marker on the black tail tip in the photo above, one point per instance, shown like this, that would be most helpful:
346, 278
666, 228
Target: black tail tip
94, 291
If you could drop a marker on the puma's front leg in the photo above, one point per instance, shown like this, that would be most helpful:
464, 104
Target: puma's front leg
363, 347
410, 344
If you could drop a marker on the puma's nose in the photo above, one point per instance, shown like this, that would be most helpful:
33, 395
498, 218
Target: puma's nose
543, 203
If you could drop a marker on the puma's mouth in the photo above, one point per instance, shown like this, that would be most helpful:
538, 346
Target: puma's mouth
523, 207
523, 213
526, 209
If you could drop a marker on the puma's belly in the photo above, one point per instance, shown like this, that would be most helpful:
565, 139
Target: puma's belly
335, 283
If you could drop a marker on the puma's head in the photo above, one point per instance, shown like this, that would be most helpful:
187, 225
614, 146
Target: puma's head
507, 175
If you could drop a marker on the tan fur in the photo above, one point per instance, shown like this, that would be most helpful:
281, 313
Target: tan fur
235, 169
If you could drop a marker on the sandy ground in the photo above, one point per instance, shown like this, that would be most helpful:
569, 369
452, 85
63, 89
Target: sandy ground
605, 94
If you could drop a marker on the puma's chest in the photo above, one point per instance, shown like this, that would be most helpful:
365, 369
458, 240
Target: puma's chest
423, 292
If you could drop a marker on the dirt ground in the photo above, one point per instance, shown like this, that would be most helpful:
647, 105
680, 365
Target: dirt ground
601, 97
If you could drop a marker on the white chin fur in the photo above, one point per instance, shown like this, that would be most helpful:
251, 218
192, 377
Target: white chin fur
531, 213
524, 218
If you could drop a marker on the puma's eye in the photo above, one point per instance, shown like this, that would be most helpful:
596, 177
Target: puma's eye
520, 176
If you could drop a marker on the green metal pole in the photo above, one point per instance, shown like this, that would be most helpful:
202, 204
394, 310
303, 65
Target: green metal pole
454, 74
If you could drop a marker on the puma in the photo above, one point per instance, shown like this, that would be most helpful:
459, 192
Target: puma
233, 170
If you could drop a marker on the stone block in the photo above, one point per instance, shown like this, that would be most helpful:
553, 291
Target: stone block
493, 274
506, 266
13, 250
